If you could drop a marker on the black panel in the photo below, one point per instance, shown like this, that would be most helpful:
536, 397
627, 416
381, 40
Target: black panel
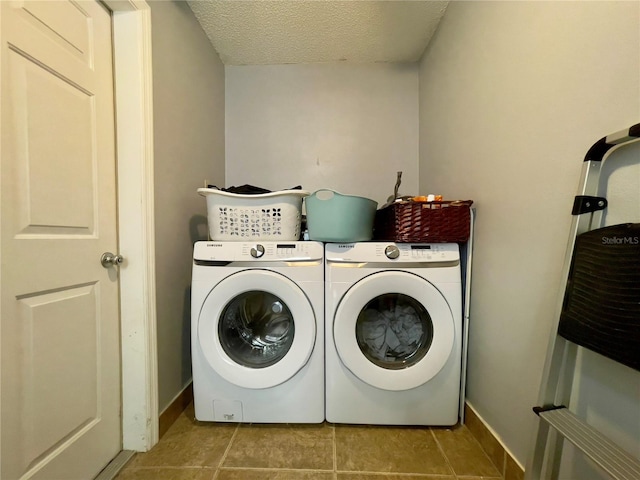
599, 149
588, 204
601, 308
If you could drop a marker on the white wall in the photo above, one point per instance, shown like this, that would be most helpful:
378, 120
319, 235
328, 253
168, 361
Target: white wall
188, 103
345, 127
512, 94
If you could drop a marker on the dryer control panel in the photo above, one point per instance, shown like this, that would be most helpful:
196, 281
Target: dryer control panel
257, 251
389, 252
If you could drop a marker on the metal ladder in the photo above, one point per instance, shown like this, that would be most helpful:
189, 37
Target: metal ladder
555, 420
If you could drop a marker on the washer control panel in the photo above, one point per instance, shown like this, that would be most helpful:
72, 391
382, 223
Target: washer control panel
257, 251
388, 252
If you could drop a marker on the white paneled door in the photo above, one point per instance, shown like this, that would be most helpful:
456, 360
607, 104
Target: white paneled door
60, 343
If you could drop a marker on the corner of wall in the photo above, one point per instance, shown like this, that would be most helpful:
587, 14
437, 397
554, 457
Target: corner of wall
491, 443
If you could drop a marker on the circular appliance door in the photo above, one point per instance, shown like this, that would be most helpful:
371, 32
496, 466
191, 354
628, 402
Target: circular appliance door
394, 330
256, 329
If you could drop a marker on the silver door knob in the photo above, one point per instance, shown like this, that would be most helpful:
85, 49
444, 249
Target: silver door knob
108, 259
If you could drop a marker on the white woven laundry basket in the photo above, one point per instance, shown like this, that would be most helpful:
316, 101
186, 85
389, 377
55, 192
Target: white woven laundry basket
264, 216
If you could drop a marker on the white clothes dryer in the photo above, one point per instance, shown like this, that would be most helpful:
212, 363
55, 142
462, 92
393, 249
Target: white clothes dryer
393, 330
257, 335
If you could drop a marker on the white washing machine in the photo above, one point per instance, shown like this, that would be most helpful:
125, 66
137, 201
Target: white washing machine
257, 336
393, 328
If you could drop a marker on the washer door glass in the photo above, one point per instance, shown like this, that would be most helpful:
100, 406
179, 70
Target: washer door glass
394, 330
256, 329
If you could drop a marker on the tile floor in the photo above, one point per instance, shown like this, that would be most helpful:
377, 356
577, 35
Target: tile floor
192, 450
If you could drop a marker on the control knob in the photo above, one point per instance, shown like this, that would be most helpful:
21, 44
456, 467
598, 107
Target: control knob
257, 251
392, 252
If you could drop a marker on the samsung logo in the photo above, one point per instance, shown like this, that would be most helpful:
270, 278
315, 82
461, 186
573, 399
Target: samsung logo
345, 245
214, 244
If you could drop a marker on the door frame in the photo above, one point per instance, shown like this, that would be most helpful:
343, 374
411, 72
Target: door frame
134, 133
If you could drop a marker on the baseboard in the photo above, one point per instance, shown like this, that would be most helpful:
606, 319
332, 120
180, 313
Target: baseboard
175, 408
508, 467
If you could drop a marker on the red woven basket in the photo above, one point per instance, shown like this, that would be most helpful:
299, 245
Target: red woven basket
425, 222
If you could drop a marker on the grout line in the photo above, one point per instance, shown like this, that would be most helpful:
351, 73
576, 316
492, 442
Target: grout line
277, 469
226, 452
335, 454
172, 467
439, 476
376, 474
484, 452
471, 477
435, 438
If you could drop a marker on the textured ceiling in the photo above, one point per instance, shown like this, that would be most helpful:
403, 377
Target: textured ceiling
272, 32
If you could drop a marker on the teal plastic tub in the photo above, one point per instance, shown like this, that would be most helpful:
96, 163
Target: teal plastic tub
338, 218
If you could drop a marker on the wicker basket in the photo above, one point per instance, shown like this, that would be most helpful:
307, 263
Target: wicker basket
424, 222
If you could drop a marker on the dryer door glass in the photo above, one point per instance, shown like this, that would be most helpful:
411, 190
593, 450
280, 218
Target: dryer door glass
256, 329
391, 340
394, 331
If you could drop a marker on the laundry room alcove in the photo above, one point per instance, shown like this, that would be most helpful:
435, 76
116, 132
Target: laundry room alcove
499, 107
